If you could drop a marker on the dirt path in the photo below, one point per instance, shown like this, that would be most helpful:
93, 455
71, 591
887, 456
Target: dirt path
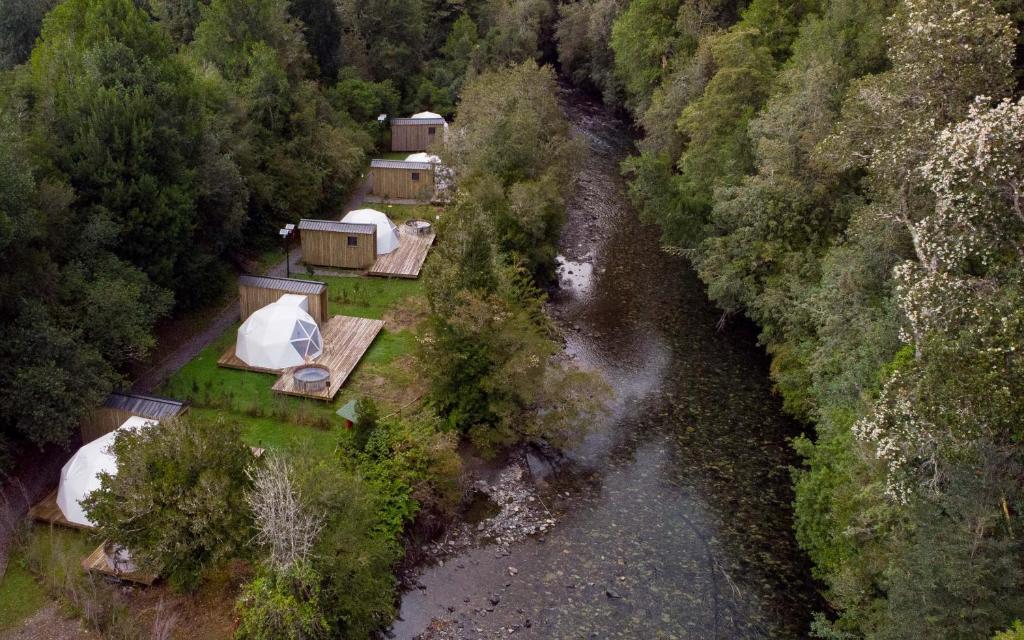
150, 380
48, 624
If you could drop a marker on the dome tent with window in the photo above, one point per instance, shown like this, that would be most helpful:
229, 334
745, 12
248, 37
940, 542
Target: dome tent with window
279, 335
387, 232
80, 475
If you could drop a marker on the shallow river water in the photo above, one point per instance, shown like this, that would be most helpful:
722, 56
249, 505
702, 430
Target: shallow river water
673, 517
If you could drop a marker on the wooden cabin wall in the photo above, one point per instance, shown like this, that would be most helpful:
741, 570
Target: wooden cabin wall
103, 420
413, 137
330, 249
398, 183
252, 298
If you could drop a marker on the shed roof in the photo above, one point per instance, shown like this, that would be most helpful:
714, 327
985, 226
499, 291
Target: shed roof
401, 164
334, 226
144, 406
348, 411
290, 285
424, 121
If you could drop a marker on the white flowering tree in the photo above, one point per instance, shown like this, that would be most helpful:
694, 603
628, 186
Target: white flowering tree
961, 303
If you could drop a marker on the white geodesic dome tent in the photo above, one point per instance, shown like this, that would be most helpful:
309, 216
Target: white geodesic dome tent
423, 156
280, 335
80, 475
387, 232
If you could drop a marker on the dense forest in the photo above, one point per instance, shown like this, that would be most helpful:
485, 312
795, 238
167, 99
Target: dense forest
845, 173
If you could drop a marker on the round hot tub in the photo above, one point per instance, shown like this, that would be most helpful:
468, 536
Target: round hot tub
312, 377
418, 227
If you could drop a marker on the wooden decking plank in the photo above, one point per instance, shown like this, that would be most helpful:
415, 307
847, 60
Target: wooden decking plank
229, 360
346, 339
97, 561
407, 260
46, 510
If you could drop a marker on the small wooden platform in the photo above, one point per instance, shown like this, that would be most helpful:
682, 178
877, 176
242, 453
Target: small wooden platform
405, 261
229, 360
346, 339
97, 561
46, 510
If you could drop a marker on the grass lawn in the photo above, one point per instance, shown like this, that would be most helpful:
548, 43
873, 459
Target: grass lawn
277, 421
53, 551
20, 594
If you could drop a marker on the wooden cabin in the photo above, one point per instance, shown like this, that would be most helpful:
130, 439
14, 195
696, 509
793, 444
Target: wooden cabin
415, 134
118, 407
256, 292
329, 243
402, 179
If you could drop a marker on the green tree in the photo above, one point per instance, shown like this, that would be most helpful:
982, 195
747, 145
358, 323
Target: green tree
514, 152
367, 417
295, 154
282, 605
72, 315
118, 114
20, 23
176, 500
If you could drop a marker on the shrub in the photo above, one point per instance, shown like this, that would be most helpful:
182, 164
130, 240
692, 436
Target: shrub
279, 606
177, 500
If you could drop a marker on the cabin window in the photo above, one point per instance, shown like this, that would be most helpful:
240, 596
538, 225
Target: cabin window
415, 176
431, 130
353, 241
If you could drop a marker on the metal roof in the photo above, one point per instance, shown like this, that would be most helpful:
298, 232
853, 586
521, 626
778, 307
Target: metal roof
335, 226
401, 164
144, 406
291, 285
430, 121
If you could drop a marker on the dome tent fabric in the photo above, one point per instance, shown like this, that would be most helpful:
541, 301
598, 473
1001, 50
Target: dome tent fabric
423, 157
80, 475
279, 335
387, 232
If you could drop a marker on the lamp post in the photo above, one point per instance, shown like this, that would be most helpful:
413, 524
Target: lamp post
286, 233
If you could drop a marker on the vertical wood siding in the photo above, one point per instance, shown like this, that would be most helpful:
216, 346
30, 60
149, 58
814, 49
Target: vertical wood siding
398, 183
413, 137
252, 298
330, 249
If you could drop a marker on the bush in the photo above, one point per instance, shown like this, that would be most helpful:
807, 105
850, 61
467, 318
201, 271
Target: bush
278, 606
177, 501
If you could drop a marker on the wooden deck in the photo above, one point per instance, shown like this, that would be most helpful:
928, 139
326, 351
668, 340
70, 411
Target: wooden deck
405, 261
229, 360
97, 561
346, 339
46, 510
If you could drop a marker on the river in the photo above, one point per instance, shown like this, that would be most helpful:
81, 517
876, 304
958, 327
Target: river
674, 516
